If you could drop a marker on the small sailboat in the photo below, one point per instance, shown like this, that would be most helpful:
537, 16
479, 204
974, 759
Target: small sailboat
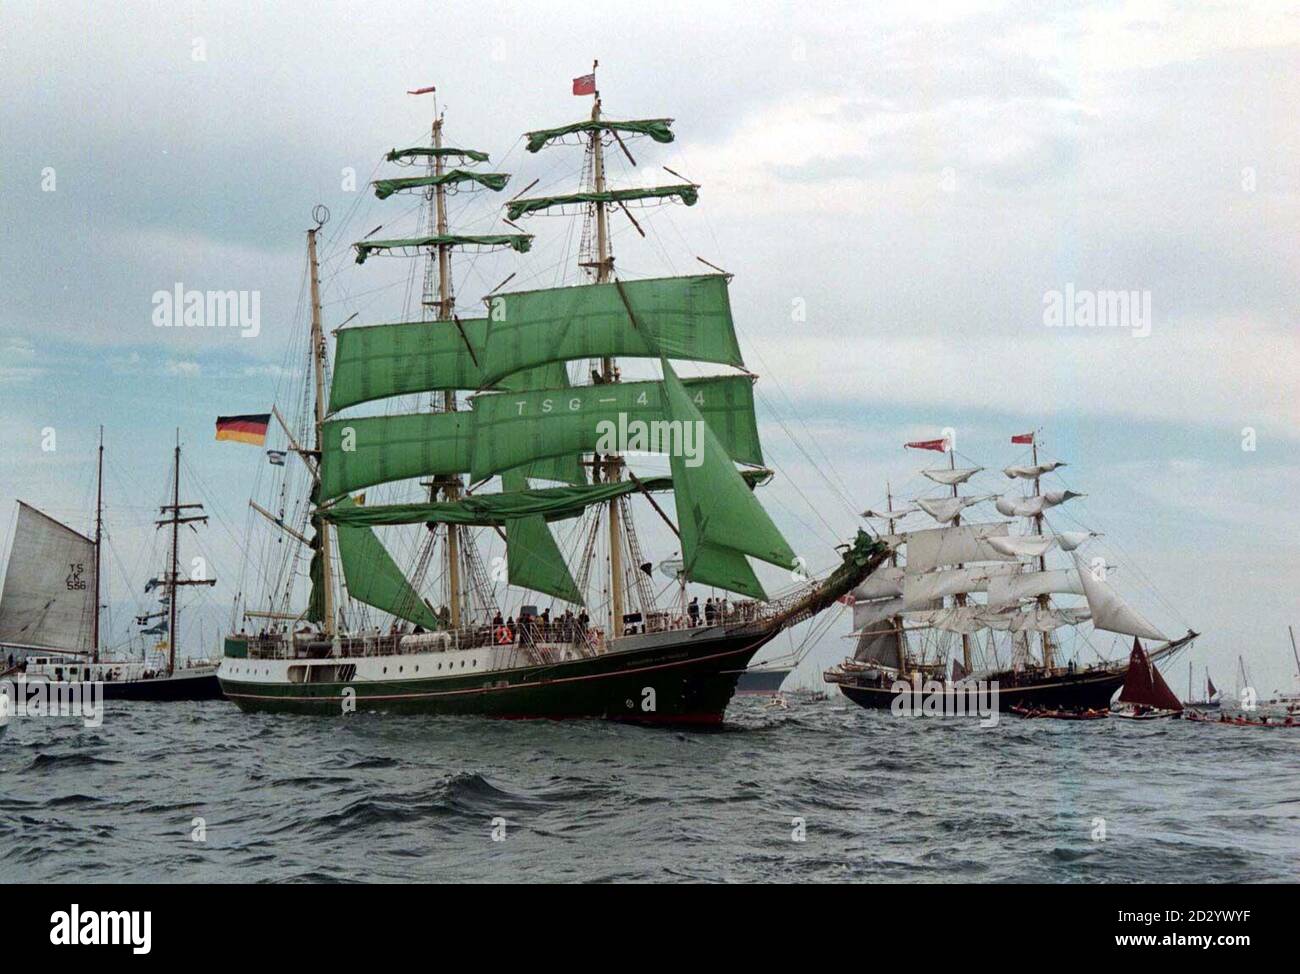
1211, 701
1145, 695
49, 612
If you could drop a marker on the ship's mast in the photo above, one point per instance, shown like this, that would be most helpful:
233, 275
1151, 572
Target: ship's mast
450, 484
613, 464
1042, 560
893, 561
960, 597
176, 574
318, 362
99, 537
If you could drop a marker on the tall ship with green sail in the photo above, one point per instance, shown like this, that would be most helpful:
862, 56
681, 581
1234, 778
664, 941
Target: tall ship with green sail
486, 440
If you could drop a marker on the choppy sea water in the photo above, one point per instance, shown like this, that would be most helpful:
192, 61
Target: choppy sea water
880, 798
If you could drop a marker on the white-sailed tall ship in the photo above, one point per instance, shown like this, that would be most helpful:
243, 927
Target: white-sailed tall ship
963, 600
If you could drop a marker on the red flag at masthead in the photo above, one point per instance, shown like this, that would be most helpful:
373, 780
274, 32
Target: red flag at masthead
586, 85
1023, 438
939, 445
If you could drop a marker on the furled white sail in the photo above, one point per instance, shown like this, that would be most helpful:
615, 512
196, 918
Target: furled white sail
889, 515
920, 589
1109, 610
1069, 540
1013, 506
1032, 471
1034, 618
968, 619
958, 545
963, 619
885, 582
944, 509
1024, 546
49, 590
950, 478
1010, 589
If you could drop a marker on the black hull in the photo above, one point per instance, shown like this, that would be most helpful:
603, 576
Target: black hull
693, 678
1079, 691
180, 686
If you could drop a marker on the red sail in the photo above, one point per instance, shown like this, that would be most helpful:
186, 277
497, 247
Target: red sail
1143, 684
1137, 681
1165, 698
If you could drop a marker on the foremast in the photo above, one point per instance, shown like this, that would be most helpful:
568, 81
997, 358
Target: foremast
319, 363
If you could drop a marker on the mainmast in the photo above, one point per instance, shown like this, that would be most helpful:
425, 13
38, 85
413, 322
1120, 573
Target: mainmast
450, 484
960, 597
318, 362
1043, 600
893, 561
613, 464
99, 537
174, 574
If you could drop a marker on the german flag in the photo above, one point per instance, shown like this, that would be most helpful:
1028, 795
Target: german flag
244, 429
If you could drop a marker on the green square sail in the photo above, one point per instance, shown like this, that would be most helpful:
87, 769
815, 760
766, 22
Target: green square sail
371, 450
657, 128
429, 152
688, 193
678, 317
514, 428
495, 181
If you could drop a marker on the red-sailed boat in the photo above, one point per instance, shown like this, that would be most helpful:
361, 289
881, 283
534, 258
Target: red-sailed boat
1145, 695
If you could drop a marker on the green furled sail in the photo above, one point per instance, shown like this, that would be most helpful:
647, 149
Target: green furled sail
514, 428
715, 507
677, 317
533, 559
373, 577
495, 181
430, 152
657, 128
380, 361
494, 510
686, 192
519, 242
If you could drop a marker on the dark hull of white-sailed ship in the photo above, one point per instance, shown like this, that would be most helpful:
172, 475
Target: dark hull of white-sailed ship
678, 676
1081, 691
1061, 689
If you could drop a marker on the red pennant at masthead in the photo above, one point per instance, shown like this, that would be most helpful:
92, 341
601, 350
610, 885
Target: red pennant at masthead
422, 91
940, 445
586, 85
1023, 438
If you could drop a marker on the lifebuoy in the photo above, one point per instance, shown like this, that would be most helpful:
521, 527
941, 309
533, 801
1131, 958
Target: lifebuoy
503, 636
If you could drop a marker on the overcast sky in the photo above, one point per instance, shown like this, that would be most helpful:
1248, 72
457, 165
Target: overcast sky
898, 192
